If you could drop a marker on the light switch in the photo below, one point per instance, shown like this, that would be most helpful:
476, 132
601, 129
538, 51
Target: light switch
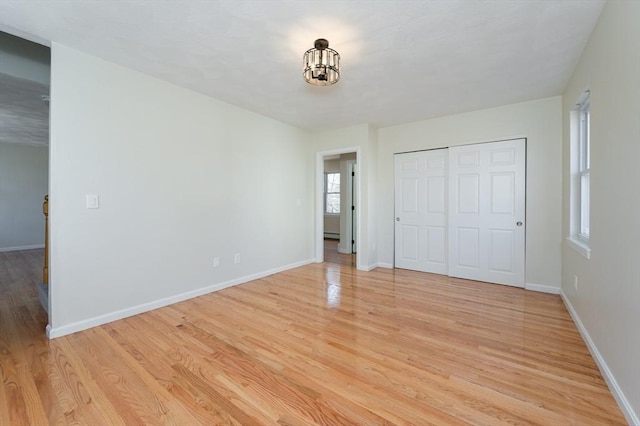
92, 201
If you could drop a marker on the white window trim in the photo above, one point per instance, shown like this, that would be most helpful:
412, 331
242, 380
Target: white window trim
584, 167
579, 167
579, 246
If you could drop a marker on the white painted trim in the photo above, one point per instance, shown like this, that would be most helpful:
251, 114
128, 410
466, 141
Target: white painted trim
621, 399
52, 332
346, 232
374, 266
367, 268
18, 248
542, 288
579, 246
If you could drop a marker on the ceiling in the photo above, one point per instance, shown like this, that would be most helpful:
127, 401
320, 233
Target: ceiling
401, 60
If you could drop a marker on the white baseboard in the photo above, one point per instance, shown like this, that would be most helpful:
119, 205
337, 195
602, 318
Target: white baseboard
366, 268
542, 288
53, 332
374, 266
621, 399
18, 248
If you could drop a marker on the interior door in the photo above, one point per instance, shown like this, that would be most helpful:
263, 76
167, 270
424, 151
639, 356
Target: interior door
487, 212
421, 211
354, 216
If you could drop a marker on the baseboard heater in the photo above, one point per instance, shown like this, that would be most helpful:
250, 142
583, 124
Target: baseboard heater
332, 235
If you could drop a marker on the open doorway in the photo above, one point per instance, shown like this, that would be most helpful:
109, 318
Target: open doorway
24, 174
340, 240
338, 210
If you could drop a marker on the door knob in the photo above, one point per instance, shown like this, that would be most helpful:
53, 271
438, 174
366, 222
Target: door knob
397, 219
518, 223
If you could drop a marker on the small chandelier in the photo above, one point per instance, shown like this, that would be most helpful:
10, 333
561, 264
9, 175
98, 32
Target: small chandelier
321, 64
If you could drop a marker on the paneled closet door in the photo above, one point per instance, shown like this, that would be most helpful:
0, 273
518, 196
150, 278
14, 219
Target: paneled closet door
421, 211
487, 212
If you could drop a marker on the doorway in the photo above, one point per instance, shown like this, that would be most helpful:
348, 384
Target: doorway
337, 202
460, 211
24, 169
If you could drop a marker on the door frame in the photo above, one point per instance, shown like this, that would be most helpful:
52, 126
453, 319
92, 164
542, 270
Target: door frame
319, 231
351, 215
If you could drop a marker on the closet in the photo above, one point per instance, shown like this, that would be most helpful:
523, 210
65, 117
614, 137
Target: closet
460, 211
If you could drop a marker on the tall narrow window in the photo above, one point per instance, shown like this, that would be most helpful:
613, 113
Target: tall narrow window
584, 168
332, 193
580, 168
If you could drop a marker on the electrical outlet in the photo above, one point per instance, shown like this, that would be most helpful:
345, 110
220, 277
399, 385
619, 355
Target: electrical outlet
575, 282
216, 262
236, 258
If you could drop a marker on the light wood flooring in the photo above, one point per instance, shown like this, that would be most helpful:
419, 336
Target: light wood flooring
320, 344
331, 254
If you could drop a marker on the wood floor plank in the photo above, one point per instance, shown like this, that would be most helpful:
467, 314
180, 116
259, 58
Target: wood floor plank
322, 344
84, 401
136, 387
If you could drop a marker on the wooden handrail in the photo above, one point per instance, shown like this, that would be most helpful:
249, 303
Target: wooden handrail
45, 210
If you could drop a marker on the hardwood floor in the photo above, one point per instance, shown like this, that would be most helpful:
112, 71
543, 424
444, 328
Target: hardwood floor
320, 344
331, 254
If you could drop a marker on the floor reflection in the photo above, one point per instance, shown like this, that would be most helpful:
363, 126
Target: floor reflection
331, 254
333, 288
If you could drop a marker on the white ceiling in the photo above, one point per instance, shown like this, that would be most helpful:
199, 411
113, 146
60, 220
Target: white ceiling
401, 60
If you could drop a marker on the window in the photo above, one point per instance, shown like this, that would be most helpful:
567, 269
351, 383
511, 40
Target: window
584, 167
332, 193
580, 158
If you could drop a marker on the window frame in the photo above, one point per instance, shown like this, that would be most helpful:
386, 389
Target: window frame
584, 170
580, 176
327, 193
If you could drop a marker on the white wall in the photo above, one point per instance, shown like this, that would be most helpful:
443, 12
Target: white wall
541, 123
607, 302
369, 205
24, 176
181, 178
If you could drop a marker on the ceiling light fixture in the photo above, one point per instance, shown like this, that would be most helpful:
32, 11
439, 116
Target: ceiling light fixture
321, 64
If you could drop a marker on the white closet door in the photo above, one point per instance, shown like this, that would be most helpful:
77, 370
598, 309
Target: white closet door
421, 211
487, 212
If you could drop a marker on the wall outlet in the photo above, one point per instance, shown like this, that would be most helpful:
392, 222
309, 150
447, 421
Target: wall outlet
216, 262
236, 258
575, 282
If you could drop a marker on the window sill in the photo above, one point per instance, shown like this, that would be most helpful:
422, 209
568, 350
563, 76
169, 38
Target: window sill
579, 246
